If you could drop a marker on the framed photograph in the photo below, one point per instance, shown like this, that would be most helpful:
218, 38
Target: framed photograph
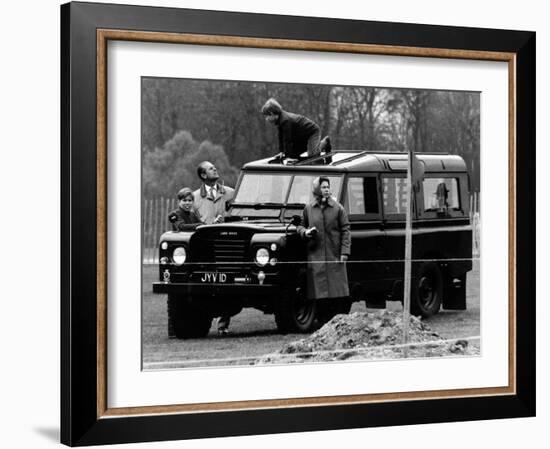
284, 224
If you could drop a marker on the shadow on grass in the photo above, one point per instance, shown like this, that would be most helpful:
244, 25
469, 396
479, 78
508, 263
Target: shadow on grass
255, 333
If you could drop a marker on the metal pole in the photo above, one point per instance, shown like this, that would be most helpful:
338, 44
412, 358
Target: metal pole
408, 252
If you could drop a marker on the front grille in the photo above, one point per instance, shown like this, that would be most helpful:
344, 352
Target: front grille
231, 252
227, 252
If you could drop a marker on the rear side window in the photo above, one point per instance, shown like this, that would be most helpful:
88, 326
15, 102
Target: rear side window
394, 195
362, 196
441, 194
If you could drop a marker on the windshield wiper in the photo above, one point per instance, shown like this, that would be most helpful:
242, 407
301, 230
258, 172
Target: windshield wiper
268, 204
295, 205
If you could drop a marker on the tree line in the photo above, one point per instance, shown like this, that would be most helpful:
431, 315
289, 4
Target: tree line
187, 121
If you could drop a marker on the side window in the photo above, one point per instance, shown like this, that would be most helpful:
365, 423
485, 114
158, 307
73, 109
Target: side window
441, 194
362, 196
394, 194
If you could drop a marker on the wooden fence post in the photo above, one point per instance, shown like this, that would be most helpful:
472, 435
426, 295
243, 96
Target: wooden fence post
144, 230
150, 229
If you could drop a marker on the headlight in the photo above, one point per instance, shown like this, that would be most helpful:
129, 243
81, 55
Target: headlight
179, 255
262, 257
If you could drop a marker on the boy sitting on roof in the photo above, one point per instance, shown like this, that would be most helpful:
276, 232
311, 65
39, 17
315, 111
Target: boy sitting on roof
297, 133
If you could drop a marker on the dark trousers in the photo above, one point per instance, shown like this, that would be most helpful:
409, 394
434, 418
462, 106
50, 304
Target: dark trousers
313, 144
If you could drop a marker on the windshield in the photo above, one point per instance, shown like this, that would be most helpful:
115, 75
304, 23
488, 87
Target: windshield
267, 188
301, 190
263, 188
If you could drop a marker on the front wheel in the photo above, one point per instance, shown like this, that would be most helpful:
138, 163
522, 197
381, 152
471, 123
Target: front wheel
295, 312
187, 321
427, 290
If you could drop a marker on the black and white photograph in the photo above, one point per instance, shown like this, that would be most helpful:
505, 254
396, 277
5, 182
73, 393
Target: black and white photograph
288, 223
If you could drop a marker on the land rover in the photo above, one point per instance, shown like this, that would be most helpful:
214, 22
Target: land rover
255, 258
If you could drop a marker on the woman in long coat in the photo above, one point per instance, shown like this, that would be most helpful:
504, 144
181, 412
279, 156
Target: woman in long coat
327, 228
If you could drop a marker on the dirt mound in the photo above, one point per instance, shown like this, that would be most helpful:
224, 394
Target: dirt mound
368, 335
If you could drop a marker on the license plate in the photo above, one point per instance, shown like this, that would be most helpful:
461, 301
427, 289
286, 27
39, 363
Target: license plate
212, 278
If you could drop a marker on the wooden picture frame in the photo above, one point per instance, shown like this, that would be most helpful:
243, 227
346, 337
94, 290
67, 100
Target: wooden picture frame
86, 30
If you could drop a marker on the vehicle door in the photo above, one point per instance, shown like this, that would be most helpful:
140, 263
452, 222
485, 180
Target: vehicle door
394, 209
362, 203
444, 219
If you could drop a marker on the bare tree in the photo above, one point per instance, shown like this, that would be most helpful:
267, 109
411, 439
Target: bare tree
227, 113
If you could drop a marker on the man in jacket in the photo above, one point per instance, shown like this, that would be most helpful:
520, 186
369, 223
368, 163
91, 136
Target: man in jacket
211, 197
297, 133
209, 204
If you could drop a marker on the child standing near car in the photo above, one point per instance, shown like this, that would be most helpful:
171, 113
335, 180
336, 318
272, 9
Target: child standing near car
184, 218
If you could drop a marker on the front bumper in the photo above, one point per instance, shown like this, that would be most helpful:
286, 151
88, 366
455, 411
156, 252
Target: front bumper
216, 289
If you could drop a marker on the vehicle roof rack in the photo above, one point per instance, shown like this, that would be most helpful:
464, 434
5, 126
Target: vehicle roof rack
341, 157
328, 158
318, 159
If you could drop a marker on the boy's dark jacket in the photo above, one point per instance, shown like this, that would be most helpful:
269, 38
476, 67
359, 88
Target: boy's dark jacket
294, 132
183, 221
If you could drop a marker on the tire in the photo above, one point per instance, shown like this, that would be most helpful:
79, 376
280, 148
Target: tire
295, 313
171, 316
188, 321
427, 291
454, 298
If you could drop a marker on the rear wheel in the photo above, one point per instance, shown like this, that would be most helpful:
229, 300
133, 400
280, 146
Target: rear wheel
427, 291
188, 321
295, 312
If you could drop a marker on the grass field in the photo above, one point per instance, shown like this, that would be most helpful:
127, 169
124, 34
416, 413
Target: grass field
254, 334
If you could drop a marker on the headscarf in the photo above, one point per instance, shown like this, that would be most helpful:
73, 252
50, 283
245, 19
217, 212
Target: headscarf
316, 187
